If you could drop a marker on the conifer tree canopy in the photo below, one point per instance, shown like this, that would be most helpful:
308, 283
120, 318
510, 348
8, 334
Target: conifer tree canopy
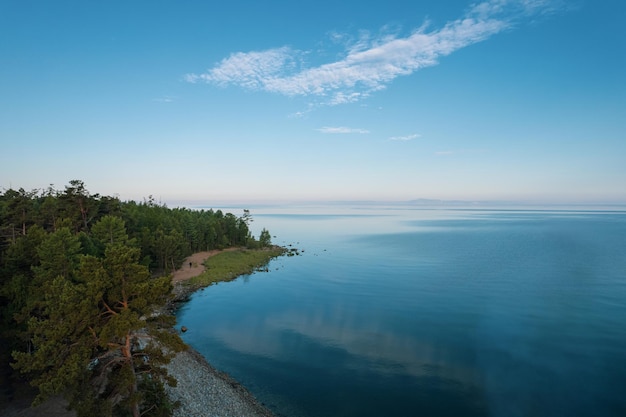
95, 331
82, 280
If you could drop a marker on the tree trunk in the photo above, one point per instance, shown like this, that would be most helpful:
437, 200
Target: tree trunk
24, 222
128, 355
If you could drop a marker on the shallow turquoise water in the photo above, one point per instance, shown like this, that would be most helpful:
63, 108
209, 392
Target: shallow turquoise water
416, 312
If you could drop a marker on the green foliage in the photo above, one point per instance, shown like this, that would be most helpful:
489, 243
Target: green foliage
61, 340
109, 230
159, 403
81, 279
265, 239
58, 255
102, 313
228, 265
165, 236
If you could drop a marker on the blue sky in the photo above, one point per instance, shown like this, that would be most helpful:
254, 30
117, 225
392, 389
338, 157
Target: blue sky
246, 101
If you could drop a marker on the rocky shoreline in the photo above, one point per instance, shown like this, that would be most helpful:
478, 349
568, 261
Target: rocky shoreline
201, 390
204, 391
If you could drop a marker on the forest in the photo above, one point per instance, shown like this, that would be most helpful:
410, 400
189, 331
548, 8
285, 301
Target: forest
83, 278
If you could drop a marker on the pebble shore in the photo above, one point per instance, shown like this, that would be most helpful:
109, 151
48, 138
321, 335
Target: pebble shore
201, 390
204, 391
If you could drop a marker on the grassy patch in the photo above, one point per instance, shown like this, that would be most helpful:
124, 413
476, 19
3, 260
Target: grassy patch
227, 266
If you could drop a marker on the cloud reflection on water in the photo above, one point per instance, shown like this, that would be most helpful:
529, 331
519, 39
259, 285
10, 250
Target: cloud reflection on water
281, 337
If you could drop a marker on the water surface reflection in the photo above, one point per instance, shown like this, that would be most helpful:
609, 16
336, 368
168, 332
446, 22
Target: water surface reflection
468, 313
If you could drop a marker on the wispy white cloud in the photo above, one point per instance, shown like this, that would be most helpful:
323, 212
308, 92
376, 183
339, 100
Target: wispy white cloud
341, 130
297, 114
165, 99
370, 63
253, 70
405, 138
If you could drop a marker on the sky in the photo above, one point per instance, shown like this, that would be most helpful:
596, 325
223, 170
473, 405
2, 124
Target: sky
282, 101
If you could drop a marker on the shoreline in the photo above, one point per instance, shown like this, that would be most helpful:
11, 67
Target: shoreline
201, 389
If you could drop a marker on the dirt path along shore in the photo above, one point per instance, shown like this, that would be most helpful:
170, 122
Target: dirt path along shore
194, 265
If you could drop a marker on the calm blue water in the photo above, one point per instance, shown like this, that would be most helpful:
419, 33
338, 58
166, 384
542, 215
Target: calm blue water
416, 312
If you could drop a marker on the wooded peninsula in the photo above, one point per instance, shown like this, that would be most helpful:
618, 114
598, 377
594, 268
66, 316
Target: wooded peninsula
85, 281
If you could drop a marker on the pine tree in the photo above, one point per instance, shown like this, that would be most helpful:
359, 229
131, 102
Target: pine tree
265, 239
96, 334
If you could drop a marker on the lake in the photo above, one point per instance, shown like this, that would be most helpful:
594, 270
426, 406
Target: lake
413, 311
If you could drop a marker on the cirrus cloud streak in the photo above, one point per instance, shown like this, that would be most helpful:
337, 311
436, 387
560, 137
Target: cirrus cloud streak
405, 138
372, 64
341, 130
